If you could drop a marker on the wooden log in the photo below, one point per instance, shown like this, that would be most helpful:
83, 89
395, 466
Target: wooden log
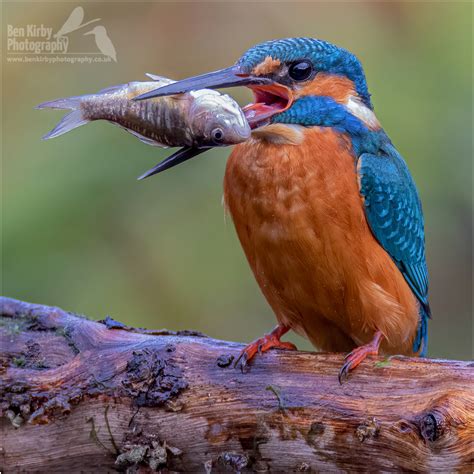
84, 396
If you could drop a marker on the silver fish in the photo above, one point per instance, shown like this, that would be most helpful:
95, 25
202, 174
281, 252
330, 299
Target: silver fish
198, 119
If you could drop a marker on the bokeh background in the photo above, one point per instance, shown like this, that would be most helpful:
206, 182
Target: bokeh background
80, 232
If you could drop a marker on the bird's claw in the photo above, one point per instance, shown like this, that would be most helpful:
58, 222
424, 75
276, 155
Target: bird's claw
344, 372
260, 346
242, 362
355, 357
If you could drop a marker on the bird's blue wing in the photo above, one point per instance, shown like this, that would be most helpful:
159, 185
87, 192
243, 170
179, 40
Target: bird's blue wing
393, 211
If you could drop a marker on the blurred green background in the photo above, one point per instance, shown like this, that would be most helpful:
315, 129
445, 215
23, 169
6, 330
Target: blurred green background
80, 232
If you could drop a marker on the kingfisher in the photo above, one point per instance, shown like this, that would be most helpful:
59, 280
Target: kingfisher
324, 205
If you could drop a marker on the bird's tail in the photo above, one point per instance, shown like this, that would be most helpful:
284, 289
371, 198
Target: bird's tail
420, 344
71, 120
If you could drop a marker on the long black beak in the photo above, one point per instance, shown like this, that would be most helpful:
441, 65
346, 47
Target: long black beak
230, 77
180, 156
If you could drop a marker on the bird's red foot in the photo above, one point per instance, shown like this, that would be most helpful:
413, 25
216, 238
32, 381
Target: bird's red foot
263, 344
354, 358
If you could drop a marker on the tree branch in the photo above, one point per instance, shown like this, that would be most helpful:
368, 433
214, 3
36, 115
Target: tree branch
80, 395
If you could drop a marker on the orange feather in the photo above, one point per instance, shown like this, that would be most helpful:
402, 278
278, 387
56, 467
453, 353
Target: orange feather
267, 66
300, 219
340, 88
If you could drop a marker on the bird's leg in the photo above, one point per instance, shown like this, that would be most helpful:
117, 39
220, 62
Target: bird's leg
262, 344
354, 358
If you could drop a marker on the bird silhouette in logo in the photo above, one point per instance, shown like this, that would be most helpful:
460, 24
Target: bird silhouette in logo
103, 42
75, 22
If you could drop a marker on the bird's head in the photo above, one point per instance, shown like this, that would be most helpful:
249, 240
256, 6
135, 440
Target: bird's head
283, 74
297, 68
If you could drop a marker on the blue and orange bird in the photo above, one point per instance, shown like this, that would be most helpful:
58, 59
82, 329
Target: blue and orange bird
324, 206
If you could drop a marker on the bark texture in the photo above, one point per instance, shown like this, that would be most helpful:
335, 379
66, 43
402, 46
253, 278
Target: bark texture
81, 396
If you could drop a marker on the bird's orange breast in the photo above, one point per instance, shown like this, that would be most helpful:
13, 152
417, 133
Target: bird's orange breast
300, 219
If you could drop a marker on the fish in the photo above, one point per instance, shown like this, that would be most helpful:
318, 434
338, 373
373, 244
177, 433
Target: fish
196, 120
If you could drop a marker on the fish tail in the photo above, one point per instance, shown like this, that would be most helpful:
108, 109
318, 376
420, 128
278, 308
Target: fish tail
71, 103
70, 121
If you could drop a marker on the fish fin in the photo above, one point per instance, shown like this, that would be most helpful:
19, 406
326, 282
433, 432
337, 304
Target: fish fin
109, 89
142, 138
71, 103
154, 77
70, 121
146, 140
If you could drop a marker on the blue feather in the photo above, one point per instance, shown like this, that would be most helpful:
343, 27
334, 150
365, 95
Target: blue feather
394, 213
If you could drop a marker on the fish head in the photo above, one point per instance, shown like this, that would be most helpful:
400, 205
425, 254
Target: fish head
217, 120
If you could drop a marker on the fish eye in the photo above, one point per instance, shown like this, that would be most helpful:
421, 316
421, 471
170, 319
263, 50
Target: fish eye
217, 134
300, 70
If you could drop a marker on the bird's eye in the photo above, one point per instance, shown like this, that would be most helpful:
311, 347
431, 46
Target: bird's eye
217, 135
300, 71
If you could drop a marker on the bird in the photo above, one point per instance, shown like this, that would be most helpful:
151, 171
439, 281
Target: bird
103, 42
324, 205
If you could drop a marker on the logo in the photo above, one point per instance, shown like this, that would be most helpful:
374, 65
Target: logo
39, 43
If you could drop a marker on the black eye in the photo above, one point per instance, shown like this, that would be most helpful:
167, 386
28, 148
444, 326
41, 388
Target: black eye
217, 134
300, 71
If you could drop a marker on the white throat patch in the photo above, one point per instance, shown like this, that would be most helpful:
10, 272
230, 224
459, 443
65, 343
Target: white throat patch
357, 108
